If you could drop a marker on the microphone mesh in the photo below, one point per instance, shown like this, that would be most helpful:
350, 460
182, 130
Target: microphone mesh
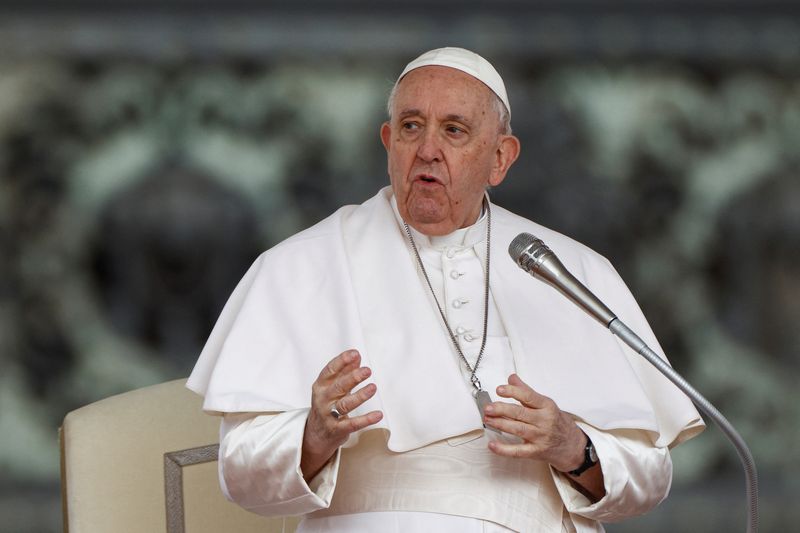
520, 242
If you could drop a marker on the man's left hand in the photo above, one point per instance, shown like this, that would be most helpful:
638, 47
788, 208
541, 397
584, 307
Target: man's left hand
548, 433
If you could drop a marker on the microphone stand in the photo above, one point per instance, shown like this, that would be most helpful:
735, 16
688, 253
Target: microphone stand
630, 338
535, 257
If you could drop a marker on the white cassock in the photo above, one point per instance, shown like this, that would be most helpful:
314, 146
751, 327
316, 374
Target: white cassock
351, 281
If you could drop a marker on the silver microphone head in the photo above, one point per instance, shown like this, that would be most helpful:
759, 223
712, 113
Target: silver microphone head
528, 252
537, 259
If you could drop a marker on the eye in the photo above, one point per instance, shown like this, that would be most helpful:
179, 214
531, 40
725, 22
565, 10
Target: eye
454, 130
409, 126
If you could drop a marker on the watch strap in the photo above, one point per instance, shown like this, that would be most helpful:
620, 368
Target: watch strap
589, 458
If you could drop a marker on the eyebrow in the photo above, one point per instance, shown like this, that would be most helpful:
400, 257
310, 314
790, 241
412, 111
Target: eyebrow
459, 118
414, 112
408, 113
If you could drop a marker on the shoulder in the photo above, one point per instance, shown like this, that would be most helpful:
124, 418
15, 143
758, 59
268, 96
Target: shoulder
572, 253
324, 229
319, 242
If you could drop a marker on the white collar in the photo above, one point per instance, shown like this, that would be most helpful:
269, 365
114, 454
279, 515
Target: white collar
465, 237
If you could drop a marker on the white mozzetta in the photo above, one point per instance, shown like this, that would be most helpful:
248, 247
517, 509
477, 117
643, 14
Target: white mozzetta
325, 290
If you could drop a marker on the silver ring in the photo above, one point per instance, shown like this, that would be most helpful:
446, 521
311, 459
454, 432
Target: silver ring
335, 412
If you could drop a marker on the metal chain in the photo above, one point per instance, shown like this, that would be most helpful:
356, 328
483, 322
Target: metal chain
473, 377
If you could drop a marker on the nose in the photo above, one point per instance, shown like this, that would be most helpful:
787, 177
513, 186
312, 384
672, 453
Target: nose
429, 149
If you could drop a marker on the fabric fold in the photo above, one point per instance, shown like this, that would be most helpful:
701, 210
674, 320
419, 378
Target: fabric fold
351, 282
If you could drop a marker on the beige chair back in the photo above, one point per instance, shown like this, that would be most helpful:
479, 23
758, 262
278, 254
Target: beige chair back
146, 462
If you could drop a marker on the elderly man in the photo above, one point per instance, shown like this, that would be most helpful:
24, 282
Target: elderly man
466, 396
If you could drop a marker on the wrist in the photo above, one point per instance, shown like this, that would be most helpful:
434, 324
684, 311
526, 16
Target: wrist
573, 451
312, 462
314, 454
588, 460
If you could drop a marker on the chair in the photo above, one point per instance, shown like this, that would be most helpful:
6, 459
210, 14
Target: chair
145, 462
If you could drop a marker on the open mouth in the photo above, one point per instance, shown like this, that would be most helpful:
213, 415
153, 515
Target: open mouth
427, 178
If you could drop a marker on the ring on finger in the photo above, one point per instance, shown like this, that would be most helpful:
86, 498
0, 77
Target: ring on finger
335, 413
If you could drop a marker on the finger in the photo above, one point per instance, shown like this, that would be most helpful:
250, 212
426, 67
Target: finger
521, 429
352, 401
514, 450
351, 425
511, 411
327, 433
523, 393
345, 383
345, 359
514, 379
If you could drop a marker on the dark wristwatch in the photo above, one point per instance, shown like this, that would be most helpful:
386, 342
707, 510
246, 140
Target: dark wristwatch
589, 458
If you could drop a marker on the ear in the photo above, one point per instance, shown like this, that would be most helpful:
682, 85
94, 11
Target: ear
386, 135
507, 152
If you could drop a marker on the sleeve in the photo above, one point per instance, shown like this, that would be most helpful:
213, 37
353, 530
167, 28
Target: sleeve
259, 465
637, 476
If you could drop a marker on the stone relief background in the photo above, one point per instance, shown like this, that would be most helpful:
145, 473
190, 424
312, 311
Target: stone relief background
137, 183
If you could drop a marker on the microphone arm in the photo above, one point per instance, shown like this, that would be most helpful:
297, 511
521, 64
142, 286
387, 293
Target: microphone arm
535, 257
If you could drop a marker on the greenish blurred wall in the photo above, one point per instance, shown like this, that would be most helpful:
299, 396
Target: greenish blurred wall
149, 152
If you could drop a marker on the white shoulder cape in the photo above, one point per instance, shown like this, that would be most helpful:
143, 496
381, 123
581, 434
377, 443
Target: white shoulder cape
350, 281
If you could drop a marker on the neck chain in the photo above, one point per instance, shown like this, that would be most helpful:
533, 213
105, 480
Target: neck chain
481, 396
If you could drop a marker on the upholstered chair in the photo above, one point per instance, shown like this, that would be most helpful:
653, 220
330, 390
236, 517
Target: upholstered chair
146, 462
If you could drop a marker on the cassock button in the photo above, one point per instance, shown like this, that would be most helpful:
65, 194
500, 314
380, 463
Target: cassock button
458, 302
455, 274
451, 253
469, 337
460, 330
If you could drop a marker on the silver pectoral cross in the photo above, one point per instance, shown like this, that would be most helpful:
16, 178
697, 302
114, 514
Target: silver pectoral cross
482, 399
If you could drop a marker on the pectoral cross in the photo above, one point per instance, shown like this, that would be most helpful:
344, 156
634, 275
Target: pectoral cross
482, 399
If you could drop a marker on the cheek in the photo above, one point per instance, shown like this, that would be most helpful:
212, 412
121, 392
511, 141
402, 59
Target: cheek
402, 158
473, 167
398, 163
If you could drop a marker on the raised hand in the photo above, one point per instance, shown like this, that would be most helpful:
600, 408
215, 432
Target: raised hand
332, 393
548, 433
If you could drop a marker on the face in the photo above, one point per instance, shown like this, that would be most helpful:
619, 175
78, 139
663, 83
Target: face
444, 148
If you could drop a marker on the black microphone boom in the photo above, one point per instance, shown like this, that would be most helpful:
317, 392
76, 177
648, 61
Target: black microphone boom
537, 259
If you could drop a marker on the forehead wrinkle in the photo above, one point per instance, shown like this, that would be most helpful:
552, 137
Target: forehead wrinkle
408, 113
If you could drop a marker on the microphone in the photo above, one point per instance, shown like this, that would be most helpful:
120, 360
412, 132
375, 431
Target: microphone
537, 259
534, 257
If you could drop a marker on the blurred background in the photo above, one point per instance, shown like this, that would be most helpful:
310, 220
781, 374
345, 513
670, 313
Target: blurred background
150, 150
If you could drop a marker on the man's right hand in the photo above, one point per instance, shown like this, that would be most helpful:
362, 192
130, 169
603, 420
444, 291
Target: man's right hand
324, 433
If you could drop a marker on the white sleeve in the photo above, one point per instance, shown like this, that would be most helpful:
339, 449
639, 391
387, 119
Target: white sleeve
636, 474
259, 465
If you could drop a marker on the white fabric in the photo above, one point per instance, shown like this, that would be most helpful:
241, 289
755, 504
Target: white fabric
351, 282
267, 447
376, 490
455, 266
459, 477
255, 448
399, 522
465, 61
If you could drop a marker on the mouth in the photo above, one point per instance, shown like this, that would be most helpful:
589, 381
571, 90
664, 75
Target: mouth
427, 178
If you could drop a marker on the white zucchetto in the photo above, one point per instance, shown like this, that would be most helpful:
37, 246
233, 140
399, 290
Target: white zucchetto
465, 61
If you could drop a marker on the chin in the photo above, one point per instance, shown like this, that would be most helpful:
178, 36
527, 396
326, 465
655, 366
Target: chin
432, 227
427, 217
428, 207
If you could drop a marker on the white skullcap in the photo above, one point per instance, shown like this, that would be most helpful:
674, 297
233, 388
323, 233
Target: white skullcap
465, 61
